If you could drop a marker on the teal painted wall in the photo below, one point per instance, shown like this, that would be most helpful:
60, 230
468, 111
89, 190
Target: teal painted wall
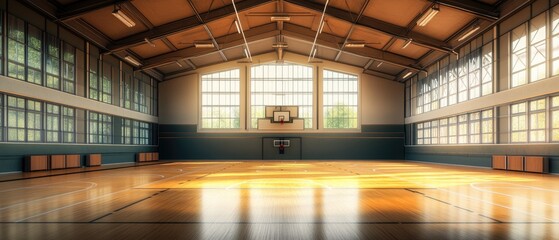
480, 155
12, 154
183, 142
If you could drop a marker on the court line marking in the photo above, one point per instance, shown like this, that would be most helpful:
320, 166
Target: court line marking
473, 198
91, 186
481, 189
98, 197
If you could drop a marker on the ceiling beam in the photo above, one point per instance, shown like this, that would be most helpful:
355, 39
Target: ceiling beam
339, 54
227, 42
479, 9
183, 25
333, 42
378, 25
82, 7
208, 31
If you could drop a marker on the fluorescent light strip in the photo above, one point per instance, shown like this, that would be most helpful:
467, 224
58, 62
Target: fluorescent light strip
246, 52
314, 52
149, 42
407, 75
280, 18
321, 27
471, 31
355, 45
179, 64
379, 64
123, 18
430, 14
132, 60
203, 45
237, 26
408, 42
279, 45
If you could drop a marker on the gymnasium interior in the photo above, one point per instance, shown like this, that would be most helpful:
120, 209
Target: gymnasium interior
279, 119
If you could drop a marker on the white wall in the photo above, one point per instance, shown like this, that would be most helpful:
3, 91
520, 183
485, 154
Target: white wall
178, 100
382, 101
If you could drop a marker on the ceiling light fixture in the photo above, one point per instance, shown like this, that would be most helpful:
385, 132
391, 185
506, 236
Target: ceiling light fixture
132, 60
355, 45
407, 75
118, 13
179, 64
312, 54
203, 45
280, 18
379, 64
408, 42
149, 42
237, 26
279, 45
469, 32
427, 16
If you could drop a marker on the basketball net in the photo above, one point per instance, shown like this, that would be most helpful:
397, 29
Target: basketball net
281, 120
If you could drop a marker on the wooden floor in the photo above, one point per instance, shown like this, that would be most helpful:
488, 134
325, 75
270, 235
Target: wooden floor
283, 200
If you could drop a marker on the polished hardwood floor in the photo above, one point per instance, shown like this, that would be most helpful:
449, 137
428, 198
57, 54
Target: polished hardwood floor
283, 200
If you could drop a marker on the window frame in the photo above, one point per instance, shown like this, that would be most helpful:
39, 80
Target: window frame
230, 93
321, 106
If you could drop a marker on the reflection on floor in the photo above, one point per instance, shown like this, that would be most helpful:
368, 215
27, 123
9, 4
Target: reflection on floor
283, 200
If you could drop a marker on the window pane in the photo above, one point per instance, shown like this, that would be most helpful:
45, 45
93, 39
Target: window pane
340, 91
220, 101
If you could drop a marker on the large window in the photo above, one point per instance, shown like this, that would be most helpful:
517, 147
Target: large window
537, 120
126, 131
34, 55
34, 121
555, 40
340, 100
450, 80
100, 128
69, 68
53, 62
281, 85
519, 125
470, 128
144, 133
16, 48
68, 125
518, 56
94, 78
221, 100
53, 123
538, 50
555, 118
16, 119
106, 84
1, 117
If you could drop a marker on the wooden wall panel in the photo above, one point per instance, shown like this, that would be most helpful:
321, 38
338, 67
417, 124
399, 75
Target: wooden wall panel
149, 157
536, 164
515, 163
73, 161
155, 156
499, 162
57, 161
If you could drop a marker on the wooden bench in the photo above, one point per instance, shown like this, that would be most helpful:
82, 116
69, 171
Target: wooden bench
515, 163
73, 161
536, 164
57, 162
499, 162
36, 163
147, 157
93, 160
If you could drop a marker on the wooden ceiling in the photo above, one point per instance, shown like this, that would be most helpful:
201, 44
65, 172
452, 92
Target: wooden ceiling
165, 30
